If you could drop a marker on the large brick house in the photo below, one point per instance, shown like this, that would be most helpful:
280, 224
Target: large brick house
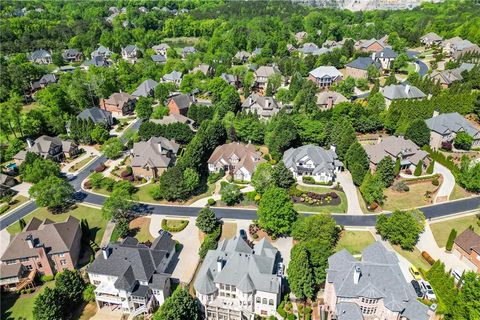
44, 247
119, 104
467, 248
150, 158
180, 104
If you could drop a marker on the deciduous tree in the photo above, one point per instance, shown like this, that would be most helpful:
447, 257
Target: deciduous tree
275, 211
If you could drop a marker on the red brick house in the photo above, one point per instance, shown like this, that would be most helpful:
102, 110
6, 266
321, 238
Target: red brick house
119, 104
180, 104
467, 248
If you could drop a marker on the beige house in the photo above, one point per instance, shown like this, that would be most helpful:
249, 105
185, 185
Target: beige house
47, 147
236, 158
325, 76
150, 158
326, 100
371, 288
262, 74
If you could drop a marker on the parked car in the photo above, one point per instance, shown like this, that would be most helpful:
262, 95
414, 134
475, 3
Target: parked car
243, 234
428, 290
415, 273
416, 287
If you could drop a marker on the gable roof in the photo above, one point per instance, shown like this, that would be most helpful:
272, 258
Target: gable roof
336, 97
402, 91
173, 118
325, 71
266, 71
363, 63
431, 36
145, 88
161, 47
468, 240
153, 153
363, 44
323, 160
131, 48
172, 76
119, 98
393, 147
96, 114
183, 101
264, 106
39, 54
246, 153
451, 122
158, 58
387, 53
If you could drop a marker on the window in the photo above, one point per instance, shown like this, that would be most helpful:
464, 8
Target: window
270, 302
39, 265
9, 262
96, 282
222, 286
222, 294
63, 262
61, 254
29, 267
23, 259
257, 299
264, 301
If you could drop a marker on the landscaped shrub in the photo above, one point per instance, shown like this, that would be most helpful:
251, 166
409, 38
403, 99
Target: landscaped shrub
101, 167
210, 242
87, 185
314, 199
46, 278
281, 311
440, 158
211, 201
447, 145
435, 182
214, 177
428, 258
308, 179
107, 184
125, 174
451, 238
183, 224
418, 169
401, 186
430, 167
4, 208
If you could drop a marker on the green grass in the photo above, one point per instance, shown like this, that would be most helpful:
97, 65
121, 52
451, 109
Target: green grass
458, 193
80, 164
92, 215
341, 208
355, 241
414, 257
407, 200
143, 194
16, 202
441, 230
21, 307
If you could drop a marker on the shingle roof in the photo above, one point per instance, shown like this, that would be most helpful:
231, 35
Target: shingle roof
324, 97
264, 106
172, 76
96, 114
246, 268
153, 153
119, 98
161, 47
10, 271
348, 311
380, 277
387, 53
131, 48
267, 71
183, 101
248, 157
145, 88
325, 71
402, 91
394, 147
451, 122
363, 63
468, 240
158, 58
173, 118
431, 36
322, 159
39, 54
70, 53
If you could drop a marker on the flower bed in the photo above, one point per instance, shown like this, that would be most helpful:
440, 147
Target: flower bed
314, 198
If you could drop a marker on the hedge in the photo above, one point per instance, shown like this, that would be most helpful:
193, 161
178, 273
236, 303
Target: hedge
451, 238
428, 258
211, 201
4, 208
281, 311
430, 167
440, 158
166, 227
46, 278
433, 176
210, 242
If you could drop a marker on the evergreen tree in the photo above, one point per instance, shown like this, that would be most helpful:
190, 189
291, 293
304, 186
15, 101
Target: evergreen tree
206, 220
386, 171
275, 211
49, 305
300, 273
357, 162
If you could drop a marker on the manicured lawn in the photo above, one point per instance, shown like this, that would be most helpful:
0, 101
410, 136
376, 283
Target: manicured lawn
143, 194
355, 241
406, 200
21, 307
142, 227
229, 230
441, 230
415, 257
459, 193
341, 208
16, 202
80, 164
93, 216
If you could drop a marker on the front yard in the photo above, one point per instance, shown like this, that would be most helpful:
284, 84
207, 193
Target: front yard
17, 201
441, 230
414, 257
340, 208
79, 165
354, 241
415, 197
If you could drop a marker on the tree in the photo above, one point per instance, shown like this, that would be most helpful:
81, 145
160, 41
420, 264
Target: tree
88, 294
70, 284
372, 188
430, 167
275, 212
402, 227
99, 134
386, 171
357, 162
342, 136
191, 180
52, 192
117, 206
391, 79
262, 178
178, 185
418, 169
300, 273
372, 73
400, 62
49, 305
143, 108
206, 220
38, 169
463, 141
162, 91
321, 226
418, 132
231, 194
282, 177
467, 302
112, 148
469, 175
397, 166
179, 306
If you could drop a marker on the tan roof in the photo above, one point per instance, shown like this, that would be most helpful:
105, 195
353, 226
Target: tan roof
395, 146
266, 71
119, 98
153, 153
54, 237
468, 240
248, 157
324, 96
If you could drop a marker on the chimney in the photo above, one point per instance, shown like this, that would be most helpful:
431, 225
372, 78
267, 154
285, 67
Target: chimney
29, 240
357, 274
333, 148
105, 252
219, 264
373, 56
267, 103
379, 139
330, 102
381, 54
30, 143
250, 100
435, 113
407, 88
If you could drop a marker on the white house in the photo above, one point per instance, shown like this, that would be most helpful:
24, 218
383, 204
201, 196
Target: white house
325, 76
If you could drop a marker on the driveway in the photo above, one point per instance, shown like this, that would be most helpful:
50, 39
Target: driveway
22, 189
447, 185
284, 245
4, 241
345, 179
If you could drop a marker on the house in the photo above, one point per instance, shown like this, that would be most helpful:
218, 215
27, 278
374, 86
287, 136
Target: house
72, 55
97, 116
256, 52
264, 107
300, 36
47, 147
40, 57
239, 282
372, 45
188, 50
262, 74
231, 79
96, 61
456, 47
242, 56
466, 247
206, 69
173, 77
401, 91
102, 52
358, 68
314, 161
444, 127
385, 57
431, 39
312, 49
130, 53
325, 76
145, 89
161, 49
447, 77
158, 58
43, 248
180, 103
396, 148
175, 118
237, 159
6, 182
131, 276
371, 288
119, 104
151, 158
44, 81
326, 100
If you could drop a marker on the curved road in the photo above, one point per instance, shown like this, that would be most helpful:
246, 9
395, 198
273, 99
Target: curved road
423, 68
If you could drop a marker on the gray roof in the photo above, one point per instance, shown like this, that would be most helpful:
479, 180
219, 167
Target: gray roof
183, 101
402, 91
131, 48
431, 36
363, 63
173, 118
451, 122
324, 97
172, 76
380, 278
323, 160
70, 53
153, 153
45, 80
230, 78
367, 43
145, 89
97, 61
348, 311
394, 147
158, 58
246, 268
132, 261
101, 50
267, 71
387, 52
264, 106
313, 49
96, 114
39, 54
325, 71
187, 50
161, 47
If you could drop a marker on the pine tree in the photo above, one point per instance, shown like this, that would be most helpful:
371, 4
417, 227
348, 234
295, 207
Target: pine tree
300, 273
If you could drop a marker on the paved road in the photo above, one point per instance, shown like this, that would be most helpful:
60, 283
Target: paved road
423, 68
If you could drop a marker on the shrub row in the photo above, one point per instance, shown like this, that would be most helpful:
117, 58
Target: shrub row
210, 242
166, 227
442, 159
434, 176
311, 180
